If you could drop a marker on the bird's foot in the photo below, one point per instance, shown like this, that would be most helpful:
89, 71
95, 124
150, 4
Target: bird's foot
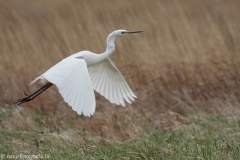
23, 100
33, 95
25, 93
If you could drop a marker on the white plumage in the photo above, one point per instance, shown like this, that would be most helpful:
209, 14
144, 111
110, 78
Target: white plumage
77, 75
110, 83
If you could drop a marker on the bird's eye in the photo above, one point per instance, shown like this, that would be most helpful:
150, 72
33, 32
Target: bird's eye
123, 32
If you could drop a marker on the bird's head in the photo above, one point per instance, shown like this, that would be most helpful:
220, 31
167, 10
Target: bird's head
122, 32
118, 33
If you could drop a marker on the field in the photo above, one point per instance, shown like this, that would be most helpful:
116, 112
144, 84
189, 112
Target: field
184, 68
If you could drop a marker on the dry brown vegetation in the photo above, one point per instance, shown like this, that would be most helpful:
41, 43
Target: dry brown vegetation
186, 61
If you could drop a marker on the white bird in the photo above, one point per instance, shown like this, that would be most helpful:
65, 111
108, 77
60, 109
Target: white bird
77, 75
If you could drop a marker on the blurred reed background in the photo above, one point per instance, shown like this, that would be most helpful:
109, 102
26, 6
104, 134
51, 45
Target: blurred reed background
185, 61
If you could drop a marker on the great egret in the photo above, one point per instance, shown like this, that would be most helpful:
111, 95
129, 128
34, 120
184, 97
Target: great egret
77, 75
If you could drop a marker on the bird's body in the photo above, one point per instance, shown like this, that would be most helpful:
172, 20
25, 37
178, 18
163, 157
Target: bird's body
79, 74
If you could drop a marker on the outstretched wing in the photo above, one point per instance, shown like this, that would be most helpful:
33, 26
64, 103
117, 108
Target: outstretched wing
110, 83
74, 84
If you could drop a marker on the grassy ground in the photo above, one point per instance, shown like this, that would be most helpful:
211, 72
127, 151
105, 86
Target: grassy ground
204, 137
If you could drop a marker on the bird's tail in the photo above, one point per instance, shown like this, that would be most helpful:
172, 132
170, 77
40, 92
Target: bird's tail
34, 80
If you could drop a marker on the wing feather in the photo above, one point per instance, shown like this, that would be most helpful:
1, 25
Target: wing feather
110, 91
109, 82
74, 84
116, 99
120, 97
107, 91
102, 84
121, 91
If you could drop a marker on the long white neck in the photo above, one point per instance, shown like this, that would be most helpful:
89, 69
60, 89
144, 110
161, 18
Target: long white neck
110, 47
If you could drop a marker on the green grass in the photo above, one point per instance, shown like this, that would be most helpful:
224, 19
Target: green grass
206, 137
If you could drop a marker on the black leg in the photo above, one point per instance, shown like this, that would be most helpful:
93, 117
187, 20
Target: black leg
33, 95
